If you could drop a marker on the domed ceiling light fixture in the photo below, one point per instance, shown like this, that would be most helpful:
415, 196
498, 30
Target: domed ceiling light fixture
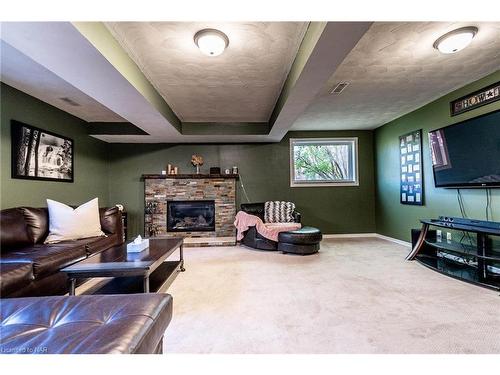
211, 42
455, 40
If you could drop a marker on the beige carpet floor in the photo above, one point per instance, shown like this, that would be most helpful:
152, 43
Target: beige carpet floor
354, 296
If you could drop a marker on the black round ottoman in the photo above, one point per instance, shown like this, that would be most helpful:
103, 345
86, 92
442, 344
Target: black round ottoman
302, 241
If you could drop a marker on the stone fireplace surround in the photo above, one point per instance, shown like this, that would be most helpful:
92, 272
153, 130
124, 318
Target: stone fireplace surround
158, 189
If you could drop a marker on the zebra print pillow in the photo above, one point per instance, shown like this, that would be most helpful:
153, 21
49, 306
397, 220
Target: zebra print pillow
278, 212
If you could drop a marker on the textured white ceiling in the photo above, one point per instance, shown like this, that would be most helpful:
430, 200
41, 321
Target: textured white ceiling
241, 85
24, 74
394, 70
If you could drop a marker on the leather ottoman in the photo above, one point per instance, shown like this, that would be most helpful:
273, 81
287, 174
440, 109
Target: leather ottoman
302, 241
96, 324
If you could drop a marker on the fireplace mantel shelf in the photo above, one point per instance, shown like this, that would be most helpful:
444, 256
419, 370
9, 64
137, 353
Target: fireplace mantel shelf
186, 176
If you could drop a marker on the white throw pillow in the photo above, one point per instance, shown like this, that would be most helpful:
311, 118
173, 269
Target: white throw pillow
66, 223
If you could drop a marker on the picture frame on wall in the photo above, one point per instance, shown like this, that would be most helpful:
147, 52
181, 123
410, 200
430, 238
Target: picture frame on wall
411, 169
38, 154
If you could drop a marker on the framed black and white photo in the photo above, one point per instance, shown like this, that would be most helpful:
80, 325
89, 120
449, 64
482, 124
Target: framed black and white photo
411, 169
38, 154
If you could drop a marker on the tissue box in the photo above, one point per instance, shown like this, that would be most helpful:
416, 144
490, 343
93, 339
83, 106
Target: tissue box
138, 247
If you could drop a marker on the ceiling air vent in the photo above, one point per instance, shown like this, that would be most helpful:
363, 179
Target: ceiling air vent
339, 88
70, 102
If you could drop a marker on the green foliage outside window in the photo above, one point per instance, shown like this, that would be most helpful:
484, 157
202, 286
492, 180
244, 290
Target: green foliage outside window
323, 161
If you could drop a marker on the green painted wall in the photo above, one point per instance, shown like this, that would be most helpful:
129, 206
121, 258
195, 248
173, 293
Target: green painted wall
265, 173
91, 178
394, 219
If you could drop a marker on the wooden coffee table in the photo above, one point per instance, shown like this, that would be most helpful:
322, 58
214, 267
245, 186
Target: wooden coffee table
144, 272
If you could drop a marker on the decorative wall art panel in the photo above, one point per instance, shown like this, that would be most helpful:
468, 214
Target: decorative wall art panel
411, 169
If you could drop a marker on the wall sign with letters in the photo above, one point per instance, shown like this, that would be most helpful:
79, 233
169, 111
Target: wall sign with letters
477, 99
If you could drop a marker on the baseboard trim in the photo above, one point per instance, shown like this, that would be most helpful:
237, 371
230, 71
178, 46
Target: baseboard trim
367, 235
350, 235
395, 240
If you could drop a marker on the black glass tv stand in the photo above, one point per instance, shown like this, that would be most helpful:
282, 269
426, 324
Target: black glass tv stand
474, 259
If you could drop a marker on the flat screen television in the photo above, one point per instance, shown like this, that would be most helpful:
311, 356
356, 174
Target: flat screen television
467, 154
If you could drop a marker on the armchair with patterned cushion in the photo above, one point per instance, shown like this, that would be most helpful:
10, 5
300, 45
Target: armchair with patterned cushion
251, 237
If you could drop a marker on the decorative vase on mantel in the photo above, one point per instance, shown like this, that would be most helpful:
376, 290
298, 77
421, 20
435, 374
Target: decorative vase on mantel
197, 161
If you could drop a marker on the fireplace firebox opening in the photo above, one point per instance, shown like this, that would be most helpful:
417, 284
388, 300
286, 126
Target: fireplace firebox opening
191, 216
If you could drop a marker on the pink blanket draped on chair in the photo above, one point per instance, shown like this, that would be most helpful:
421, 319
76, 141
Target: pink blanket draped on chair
243, 221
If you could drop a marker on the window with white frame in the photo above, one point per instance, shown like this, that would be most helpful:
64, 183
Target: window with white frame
324, 162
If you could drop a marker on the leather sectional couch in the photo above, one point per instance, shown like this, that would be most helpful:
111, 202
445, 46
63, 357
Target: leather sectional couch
106, 324
28, 267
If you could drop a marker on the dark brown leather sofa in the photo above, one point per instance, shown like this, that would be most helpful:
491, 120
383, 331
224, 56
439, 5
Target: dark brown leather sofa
100, 324
30, 268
